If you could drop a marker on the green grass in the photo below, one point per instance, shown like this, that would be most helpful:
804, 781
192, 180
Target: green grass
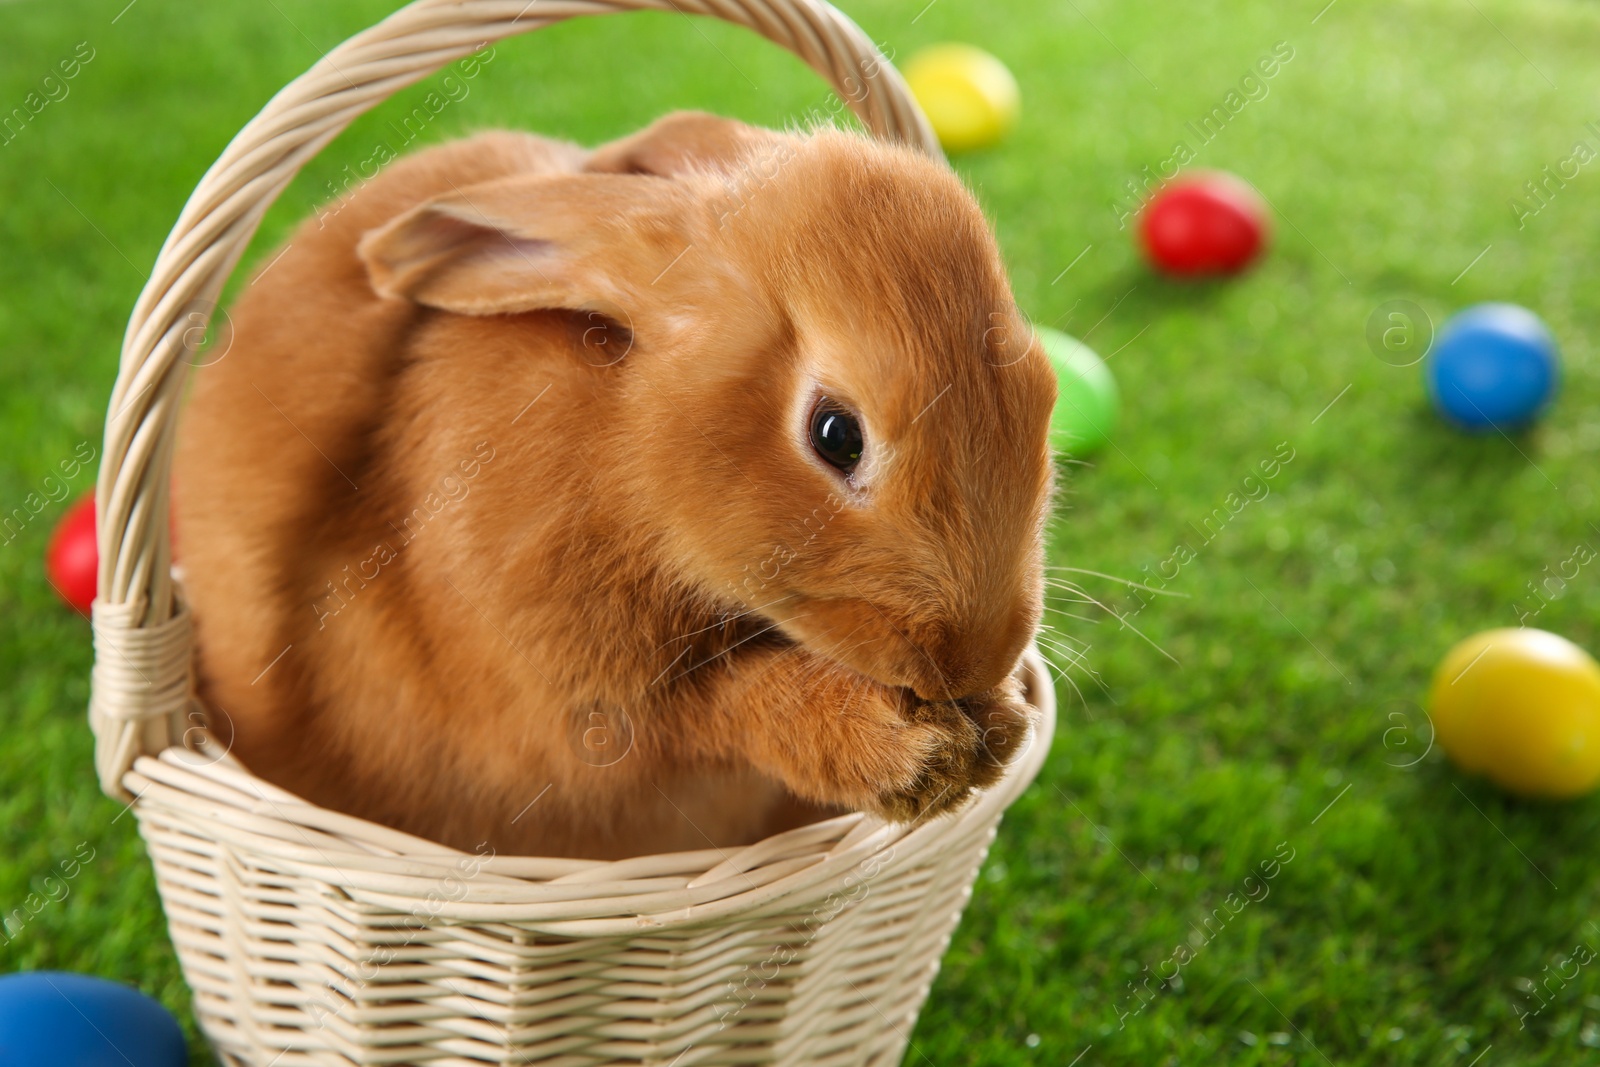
1390, 145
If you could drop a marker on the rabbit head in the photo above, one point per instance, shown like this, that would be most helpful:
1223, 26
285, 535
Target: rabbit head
813, 386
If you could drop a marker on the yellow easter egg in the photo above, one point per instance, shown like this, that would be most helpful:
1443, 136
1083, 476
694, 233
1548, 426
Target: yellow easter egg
1522, 708
968, 95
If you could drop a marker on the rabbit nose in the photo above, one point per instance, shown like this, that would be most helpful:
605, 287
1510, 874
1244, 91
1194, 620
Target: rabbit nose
972, 659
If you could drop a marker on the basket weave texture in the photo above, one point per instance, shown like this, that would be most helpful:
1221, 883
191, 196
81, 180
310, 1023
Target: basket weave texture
310, 937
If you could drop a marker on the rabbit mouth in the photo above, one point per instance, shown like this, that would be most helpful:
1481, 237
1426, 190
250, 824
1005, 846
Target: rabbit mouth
938, 658
864, 638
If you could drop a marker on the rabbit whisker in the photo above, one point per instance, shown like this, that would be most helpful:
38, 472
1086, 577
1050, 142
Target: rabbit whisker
1068, 587
1058, 637
724, 620
1081, 618
724, 652
1067, 652
1080, 658
1064, 676
686, 650
1123, 619
1113, 578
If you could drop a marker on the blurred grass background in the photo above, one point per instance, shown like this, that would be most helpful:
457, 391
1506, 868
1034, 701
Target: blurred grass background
1419, 907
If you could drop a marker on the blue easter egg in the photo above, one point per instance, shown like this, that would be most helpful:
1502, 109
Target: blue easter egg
1494, 367
54, 1019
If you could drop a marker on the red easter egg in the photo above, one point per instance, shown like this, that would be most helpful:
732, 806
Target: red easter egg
72, 560
1205, 225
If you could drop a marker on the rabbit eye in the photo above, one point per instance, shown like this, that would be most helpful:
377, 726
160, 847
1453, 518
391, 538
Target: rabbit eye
836, 434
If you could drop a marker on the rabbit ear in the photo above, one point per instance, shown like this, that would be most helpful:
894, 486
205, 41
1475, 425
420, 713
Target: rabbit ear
683, 141
585, 242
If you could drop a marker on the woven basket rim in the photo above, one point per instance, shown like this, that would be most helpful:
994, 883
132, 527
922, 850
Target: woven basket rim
383, 869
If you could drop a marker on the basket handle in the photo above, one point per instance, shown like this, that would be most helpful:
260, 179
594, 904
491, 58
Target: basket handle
141, 698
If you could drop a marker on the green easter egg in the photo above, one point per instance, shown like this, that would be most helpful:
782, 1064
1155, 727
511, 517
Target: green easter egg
1086, 395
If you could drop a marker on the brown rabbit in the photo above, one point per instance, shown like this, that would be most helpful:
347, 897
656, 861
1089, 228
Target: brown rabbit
593, 504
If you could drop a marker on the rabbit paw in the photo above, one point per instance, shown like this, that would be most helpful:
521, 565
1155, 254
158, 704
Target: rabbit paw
955, 747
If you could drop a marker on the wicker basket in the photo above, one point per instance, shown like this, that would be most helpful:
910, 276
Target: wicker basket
310, 937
